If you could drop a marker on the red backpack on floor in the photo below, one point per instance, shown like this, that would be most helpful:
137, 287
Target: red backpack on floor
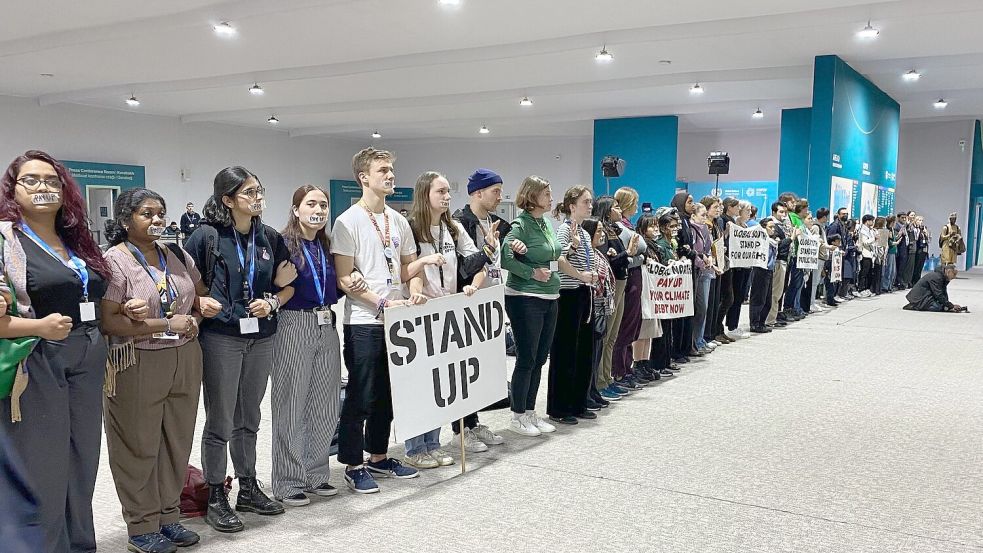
194, 496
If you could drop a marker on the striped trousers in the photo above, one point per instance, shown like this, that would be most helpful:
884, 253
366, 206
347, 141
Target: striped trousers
306, 379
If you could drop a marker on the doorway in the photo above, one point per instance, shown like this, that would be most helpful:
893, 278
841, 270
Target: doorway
99, 200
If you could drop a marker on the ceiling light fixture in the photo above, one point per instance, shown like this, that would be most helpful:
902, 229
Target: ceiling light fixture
525, 102
376, 134
604, 56
696, 89
47, 74
224, 29
758, 114
869, 32
256, 90
132, 101
273, 120
483, 130
940, 103
449, 3
911, 76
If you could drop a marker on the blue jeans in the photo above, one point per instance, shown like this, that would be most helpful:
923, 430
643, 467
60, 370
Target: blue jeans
793, 296
424, 443
890, 270
701, 294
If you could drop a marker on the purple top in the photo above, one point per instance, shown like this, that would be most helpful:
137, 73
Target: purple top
305, 293
701, 245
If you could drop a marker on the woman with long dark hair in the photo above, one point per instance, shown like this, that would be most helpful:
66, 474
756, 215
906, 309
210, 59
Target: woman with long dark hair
683, 326
712, 329
306, 373
608, 212
245, 264
151, 312
602, 298
58, 277
660, 230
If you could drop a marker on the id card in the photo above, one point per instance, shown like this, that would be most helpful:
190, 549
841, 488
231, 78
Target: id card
325, 317
87, 311
554, 266
249, 325
494, 273
164, 336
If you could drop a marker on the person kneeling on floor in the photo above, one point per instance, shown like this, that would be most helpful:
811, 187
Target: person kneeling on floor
931, 292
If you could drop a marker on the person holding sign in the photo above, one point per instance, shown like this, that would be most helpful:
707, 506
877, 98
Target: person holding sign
660, 230
58, 277
151, 311
246, 264
778, 214
377, 241
571, 352
761, 282
531, 295
443, 248
306, 374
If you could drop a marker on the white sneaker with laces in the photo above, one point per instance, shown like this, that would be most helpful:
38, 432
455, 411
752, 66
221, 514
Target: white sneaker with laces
421, 461
486, 435
734, 334
714, 343
521, 425
539, 423
471, 442
441, 456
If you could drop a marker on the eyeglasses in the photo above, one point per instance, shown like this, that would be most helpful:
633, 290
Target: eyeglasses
33, 183
252, 193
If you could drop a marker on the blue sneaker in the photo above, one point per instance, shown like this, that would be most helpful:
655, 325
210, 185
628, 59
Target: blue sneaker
360, 481
391, 468
179, 535
619, 390
609, 395
154, 542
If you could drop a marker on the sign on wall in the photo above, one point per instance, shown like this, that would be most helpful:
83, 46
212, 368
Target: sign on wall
87, 173
446, 359
345, 193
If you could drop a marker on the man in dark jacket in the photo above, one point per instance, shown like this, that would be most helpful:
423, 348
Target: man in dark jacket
779, 213
931, 292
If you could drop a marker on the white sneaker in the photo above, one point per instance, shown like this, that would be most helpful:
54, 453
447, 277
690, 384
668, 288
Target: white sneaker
421, 461
471, 442
714, 344
539, 423
522, 426
486, 435
734, 334
744, 333
442, 458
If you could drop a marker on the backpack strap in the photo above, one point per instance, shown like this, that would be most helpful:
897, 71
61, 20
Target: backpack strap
211, 254
178, 252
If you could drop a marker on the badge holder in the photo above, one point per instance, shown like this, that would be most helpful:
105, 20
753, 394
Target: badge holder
87, 310
325, 316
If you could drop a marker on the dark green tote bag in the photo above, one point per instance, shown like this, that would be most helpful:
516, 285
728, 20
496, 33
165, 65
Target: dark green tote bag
13, 351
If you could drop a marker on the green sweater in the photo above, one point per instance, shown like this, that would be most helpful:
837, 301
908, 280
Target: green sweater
542, 249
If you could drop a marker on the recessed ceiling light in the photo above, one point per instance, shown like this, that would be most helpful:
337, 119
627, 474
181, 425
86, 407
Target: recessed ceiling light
758, 114
696, 89
940, 103
256, 90
525, 102
376, 134
604, 56
869, 32
132, 101
483, 130
273, 120
449, 3
911, 76
224, 29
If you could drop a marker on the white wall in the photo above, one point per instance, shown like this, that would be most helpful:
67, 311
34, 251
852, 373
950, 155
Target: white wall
753, 154
165, 146
934, 172
562, 161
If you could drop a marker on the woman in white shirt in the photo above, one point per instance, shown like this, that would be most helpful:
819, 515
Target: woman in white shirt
440, 240
868, 239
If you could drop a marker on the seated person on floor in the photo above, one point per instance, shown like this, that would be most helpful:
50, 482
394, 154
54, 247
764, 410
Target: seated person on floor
931, 292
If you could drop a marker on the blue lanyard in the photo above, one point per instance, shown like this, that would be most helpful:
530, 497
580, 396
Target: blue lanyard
77, 264
251, 272
320, 281
168, 295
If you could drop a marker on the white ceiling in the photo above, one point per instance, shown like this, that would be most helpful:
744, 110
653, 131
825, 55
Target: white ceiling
413, 69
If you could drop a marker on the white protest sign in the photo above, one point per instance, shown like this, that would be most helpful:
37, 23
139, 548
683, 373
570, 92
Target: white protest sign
808, 257
446, 359
667, 290
836, 272
748, 247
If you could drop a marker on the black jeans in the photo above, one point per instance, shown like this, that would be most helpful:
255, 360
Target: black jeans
533, 322
726, 300
863, 281
571, 354
661, 354
738, 285
710, 330
760, 295
368, 410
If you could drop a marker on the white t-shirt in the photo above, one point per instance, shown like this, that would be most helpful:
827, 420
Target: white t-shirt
495, 276
432, 287
354, 235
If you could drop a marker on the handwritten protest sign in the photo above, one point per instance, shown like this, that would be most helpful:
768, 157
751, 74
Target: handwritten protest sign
748, 247
836, 272
667, 290
808, 257
446, 359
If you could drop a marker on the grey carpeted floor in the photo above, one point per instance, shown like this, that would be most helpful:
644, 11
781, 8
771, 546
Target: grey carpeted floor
859, 429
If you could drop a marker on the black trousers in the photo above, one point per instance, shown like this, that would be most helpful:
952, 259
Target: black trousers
738, 285
571, 354
726, 300
682, 337
760, 295
533, 321
598, 325
863, 281
368, 409
713, 310
916, 270
661, 356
